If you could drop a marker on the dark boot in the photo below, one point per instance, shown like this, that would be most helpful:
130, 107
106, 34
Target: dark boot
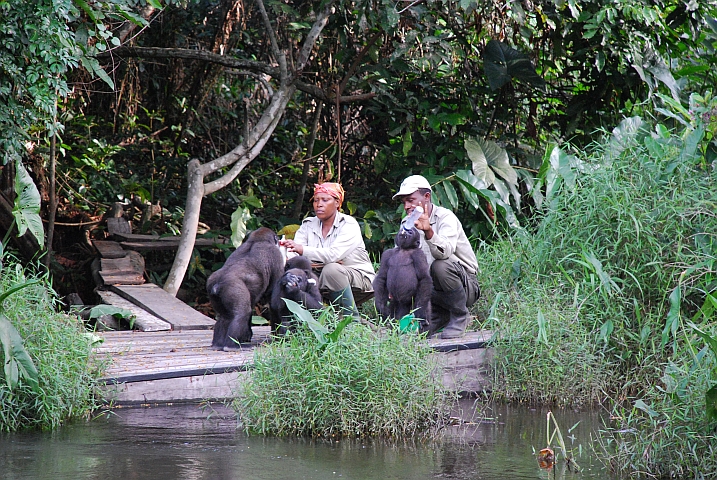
344, 299
439, 315
455, 302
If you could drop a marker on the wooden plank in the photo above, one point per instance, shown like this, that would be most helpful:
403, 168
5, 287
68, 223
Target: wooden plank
121, 278
168, 243
150, 372
109, 249
175, 390
471, 340
135, 237
144, 321
165, 306
132, 262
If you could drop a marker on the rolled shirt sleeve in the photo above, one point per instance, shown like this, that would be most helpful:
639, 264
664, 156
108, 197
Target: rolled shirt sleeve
449, 241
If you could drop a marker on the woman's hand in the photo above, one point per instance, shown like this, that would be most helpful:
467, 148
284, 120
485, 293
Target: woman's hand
292, 246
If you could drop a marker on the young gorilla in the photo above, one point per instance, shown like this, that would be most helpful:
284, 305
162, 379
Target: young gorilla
300, 284
247, 277
403, 282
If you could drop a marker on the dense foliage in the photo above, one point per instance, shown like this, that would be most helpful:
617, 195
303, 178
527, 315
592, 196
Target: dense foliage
612, 298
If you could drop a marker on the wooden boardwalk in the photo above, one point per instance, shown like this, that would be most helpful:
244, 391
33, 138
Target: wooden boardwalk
179, 366
169, 358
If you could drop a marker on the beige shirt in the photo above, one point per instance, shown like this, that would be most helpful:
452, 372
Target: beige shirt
343, 243
449, 241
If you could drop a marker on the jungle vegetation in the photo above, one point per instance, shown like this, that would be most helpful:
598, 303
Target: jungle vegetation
575, 140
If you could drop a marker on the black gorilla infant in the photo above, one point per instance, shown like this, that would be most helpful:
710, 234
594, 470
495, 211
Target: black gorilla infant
403, 283
300, 284
246, 278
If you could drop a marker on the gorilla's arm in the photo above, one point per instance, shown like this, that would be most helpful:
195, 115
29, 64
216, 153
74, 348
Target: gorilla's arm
422, 299
379, 283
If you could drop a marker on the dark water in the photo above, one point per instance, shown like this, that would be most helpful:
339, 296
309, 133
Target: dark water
195, 443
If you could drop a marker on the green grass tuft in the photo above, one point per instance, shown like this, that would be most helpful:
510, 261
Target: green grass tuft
364, 384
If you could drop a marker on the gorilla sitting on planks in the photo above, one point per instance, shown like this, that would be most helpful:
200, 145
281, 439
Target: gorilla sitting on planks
300, 284
246, 278
403, 283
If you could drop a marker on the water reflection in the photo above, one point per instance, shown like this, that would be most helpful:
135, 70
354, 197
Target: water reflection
191, 443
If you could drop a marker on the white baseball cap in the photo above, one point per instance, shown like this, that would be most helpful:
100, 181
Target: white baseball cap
411, 184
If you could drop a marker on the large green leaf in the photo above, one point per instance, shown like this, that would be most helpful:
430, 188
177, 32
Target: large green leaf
502, 63
626, 135
334, 336
556, 169
27, 205
17, 362
489, 159
711, 403
673, 316
304, 315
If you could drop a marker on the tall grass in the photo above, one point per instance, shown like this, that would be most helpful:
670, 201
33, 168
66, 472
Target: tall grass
60, 350
596, 299
545, 354
364, 384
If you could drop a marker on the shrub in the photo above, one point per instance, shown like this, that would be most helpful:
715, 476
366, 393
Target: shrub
60, 350
363, 383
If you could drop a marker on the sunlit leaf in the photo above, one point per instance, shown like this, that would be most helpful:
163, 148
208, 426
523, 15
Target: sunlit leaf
27, 205
289, 231
305, 316
625, 135
451, 194
479, 161
407, 142
334, 336
238, 224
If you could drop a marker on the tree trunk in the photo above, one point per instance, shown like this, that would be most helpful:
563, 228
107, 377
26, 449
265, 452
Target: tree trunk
195, 192
242, 155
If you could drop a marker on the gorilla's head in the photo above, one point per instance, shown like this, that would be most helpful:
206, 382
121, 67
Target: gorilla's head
408, 239
295, 280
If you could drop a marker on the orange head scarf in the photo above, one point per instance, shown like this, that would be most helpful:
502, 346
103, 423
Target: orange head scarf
333, 189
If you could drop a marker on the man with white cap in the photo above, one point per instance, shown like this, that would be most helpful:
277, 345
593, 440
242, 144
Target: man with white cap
451, 258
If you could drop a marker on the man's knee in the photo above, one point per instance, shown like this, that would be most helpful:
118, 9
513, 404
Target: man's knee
333, 277
445, 276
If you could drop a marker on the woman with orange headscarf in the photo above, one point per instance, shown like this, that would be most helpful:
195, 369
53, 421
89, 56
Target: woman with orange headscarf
332, 240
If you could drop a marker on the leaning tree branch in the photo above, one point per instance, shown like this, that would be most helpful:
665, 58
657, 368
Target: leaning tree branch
273, 111
238, 158
280, 57
243, 155
321, 19
357, 61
